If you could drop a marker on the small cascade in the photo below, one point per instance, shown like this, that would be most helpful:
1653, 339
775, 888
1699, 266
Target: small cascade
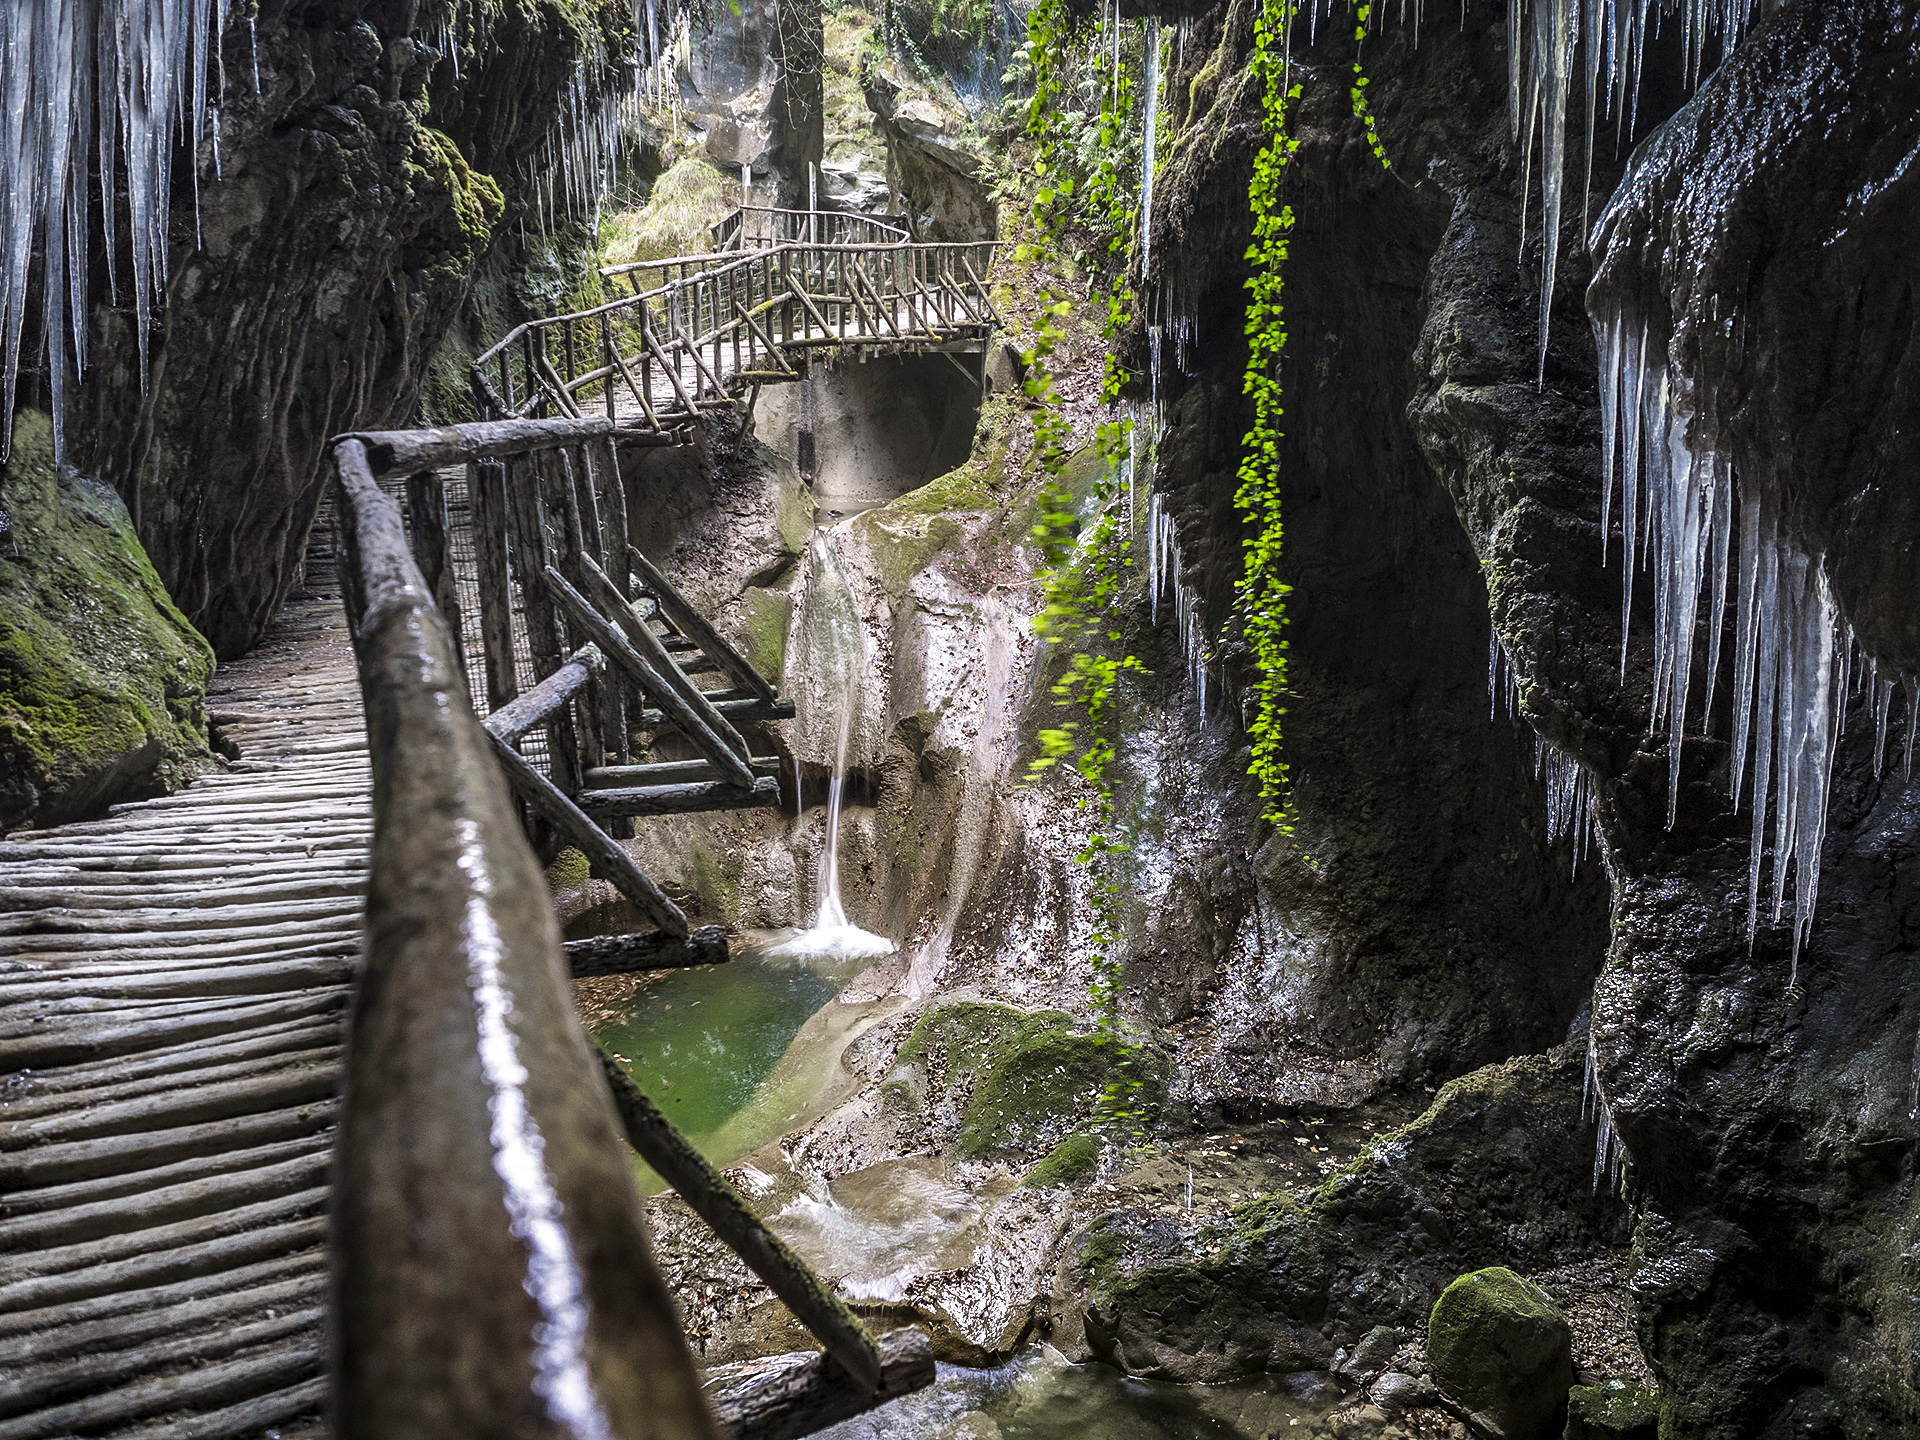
829, 663
1147, 147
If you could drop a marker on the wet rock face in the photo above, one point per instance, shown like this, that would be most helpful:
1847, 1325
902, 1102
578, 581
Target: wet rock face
312, 279
102, 680
936, 180
757, 93
1420, 920
1769, 1131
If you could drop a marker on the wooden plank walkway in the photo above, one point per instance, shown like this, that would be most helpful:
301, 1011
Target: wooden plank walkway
172, 989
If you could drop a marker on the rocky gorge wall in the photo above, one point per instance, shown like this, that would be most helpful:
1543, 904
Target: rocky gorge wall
1767, 1126
369, 159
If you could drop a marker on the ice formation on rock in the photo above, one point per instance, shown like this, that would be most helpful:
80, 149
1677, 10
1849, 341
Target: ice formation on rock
1166, 576
1606, 40
106, 84
1686, 518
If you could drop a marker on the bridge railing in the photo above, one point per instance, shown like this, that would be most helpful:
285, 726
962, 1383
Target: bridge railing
760, 225
706, 335
491, 1272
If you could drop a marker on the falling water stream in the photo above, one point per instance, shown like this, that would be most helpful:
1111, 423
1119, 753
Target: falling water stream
831, 664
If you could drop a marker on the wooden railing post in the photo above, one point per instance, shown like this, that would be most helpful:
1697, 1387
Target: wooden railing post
433, 551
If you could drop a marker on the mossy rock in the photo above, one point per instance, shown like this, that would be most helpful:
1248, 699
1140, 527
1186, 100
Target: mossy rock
1047, 1073
569, 868
102, 680
1613, 1410
1497, 1344
1020, 1079
764, 618
1074, 1158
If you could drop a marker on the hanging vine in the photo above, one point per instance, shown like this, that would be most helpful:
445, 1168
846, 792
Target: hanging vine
1260, 593
1084, 569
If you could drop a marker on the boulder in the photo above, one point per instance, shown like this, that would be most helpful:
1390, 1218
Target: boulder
1372, 1354
1498, 1346
1613, 1410
102, 680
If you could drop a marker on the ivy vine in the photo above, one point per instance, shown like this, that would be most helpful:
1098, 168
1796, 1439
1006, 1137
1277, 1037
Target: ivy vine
1084, 569
1261, 593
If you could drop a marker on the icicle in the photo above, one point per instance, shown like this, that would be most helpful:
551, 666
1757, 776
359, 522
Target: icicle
1792, 648
1147, 147
1611, 35
1165, 572
88, 83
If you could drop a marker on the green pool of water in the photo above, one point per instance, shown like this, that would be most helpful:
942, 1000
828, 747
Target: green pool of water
1038, 1396
703, 1042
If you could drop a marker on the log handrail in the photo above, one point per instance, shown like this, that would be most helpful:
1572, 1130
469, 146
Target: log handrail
491, 1270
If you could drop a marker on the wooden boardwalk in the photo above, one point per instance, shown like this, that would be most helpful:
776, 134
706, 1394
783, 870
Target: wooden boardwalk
172, 988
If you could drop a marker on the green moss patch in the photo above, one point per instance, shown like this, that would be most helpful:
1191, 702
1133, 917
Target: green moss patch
102, 679
1017, 1080
569, 868
1074, 1158
1612, 1410
764, 618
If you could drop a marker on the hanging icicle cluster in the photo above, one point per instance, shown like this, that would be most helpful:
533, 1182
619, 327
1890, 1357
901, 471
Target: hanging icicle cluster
1569, 784
106, 85
573, 171
1610, 37
1686, 518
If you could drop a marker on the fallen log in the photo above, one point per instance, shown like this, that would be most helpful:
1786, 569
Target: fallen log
794, 1395
646, 950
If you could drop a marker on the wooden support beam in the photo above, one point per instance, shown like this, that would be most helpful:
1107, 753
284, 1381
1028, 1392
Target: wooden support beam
527, 516
433, 551
670, 772
692, 624
731, 758
673, 372
557, 387
657, 655
681, 799
732, 705
709, 1195
646, 950
602, 853
394, 452
515, 718
487, 500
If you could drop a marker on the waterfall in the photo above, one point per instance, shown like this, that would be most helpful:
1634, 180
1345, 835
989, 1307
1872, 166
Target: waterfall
826, 672
1147, 145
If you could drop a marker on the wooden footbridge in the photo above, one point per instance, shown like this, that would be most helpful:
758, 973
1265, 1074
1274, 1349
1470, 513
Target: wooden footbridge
298, 1130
